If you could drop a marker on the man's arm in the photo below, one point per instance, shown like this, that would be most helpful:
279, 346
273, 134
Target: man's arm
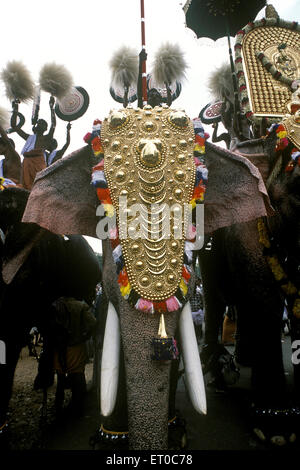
53, 117
61, 152
13, 121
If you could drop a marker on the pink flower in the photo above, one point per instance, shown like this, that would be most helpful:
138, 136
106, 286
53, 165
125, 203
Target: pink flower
113, 233
172, 304
145, 306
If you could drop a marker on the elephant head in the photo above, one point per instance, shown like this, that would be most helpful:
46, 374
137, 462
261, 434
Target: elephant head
148, 157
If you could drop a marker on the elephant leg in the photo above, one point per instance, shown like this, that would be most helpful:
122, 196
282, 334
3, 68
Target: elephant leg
13, 348
260, 308
212, 266
60, 393
177, 437
78, 389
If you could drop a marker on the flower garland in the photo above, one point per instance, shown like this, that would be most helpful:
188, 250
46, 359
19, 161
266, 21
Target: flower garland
280, 275
282, 143
293, 26
176, 301
273, 70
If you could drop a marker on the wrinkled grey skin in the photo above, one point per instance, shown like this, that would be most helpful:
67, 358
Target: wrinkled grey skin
148, 381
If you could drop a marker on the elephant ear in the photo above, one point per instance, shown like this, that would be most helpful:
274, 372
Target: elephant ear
260, 152
62, 199
18, 245
235, 191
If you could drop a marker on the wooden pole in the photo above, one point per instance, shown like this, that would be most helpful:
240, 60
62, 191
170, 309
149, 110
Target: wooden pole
144, 74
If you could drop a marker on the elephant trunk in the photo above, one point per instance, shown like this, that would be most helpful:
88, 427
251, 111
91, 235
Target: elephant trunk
148, 381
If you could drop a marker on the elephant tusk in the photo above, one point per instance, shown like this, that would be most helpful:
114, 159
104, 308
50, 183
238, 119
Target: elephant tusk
191, 358
110, 362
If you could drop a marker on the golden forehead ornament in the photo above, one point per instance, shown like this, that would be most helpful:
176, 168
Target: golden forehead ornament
150, 171
268, 67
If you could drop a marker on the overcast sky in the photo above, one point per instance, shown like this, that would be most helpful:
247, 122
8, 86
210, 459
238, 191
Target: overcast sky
82, 35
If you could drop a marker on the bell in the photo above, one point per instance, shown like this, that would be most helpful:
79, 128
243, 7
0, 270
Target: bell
163, 347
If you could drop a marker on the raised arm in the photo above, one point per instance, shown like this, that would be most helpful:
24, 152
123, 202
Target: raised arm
53, 117
61, 152
13, 121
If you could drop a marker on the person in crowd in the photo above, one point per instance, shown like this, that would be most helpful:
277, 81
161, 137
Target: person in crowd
34, 150
10, 165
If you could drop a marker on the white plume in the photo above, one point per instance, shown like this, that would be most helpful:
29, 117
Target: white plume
169, 64
220, 82
18, 82
124, 66
56, 80
4, 118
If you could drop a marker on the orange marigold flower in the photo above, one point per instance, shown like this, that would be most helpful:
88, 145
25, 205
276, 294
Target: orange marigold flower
123, 278
185, 274
96, 144
160, 306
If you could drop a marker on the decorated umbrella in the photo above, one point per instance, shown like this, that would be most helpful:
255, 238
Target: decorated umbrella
219, 18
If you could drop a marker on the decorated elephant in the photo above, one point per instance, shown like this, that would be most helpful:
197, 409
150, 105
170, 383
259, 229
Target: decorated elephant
150, 154
49, 266
255, 266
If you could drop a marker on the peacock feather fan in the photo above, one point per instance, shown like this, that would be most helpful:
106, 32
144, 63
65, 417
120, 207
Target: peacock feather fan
169, 64
124, 66
18, 82
56, 80
4, 118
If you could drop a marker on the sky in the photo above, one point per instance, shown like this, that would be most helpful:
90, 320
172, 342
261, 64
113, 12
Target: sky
83, 36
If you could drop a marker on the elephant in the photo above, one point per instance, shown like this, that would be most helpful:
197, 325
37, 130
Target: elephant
238, 270
50, 266
147, 401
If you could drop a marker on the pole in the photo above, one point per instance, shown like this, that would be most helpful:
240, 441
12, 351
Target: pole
236, 104
144, 74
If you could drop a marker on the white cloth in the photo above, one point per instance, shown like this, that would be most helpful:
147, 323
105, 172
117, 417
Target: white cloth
29, 144
51, 157
7, 181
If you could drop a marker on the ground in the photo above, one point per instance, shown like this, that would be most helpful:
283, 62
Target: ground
223, 428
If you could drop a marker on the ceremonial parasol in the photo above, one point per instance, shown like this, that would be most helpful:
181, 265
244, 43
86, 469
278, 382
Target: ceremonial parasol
219, 18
